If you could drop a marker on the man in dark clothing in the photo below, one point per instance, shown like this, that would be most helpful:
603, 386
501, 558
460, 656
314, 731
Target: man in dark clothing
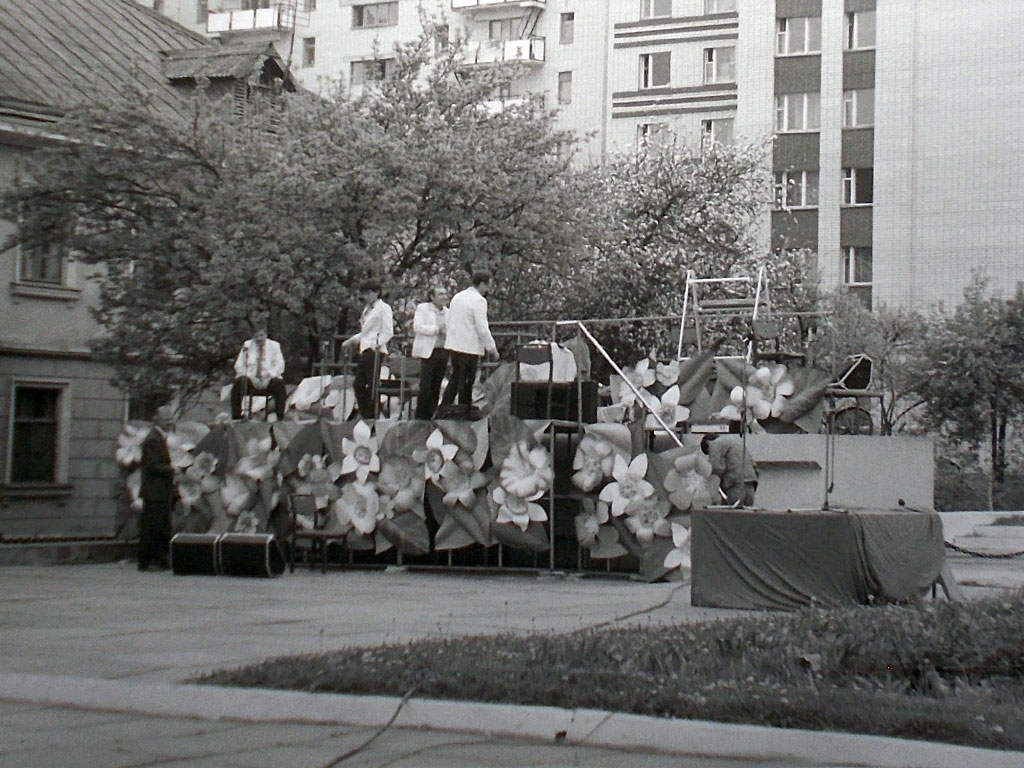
732, 462
157, 492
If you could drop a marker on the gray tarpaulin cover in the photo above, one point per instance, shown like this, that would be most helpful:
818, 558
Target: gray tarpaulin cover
787, 560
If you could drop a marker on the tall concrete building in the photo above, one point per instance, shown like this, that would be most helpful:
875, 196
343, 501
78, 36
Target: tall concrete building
896, 145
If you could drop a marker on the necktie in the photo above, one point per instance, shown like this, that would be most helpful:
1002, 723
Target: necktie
259, 362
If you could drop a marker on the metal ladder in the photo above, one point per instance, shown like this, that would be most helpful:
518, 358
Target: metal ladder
751, 301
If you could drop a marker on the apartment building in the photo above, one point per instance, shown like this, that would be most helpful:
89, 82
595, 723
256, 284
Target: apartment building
896, 150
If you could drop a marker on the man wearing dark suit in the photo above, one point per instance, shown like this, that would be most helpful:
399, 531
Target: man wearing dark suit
157, 492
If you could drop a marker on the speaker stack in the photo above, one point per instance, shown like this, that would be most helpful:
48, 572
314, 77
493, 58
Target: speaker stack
230, 554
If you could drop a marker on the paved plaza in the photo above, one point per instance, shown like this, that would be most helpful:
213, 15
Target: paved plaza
94, 657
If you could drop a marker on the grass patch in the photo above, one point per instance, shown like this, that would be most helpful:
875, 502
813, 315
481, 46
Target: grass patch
951, 672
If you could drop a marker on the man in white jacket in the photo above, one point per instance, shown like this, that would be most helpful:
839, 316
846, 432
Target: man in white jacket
468, 338
258, 370
429, 324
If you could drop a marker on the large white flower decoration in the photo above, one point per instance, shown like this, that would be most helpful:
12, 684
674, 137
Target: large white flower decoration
641, 376
668, 407
588, 524
360, 453
401, 481
129, 445
764, 394
435, 455
647, 518
629, 484
259, 461
358, 505
236, 495
526, 472
179, 447
516, 509
689, 481
460, 486
680, 556
667, 374
317, 479
593, 462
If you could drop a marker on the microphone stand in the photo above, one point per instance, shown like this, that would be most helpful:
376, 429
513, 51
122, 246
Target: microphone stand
245, 374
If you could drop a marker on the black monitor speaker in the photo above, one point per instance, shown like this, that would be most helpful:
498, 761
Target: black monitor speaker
194, 554
251, 554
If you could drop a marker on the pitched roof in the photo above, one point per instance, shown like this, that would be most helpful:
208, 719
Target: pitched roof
235, 61
56, 54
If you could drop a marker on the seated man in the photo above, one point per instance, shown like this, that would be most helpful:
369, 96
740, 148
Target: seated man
732, 462
258, 370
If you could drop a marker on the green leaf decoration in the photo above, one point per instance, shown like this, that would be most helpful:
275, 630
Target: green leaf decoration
360, 542
381, 543
807, 403
407, 531
693, 376
731, 374
626, 538
381, 428
451, 535
616, 435
459, 433
700, 407
533, 539
309, 439
285, 431
505, 431
607, 546
474, 522
482, 443
333, 432
652, 563
659, 464
215, 443
497, 390
239, 433
191, 431
404, 438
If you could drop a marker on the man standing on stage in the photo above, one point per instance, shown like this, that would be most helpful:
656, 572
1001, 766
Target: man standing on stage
468, 338
258, 370
376, 327
157, 492
429, 324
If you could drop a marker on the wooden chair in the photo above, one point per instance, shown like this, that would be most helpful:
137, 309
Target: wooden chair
403, 382
300, 504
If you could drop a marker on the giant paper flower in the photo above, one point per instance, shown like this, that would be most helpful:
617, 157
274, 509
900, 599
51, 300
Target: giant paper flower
317, 479
667, 374
647, 518
589, 522
133, 484
358, 505
460, 486
247, 522
516, 509
680, 556
764, 394
259, 461
641, 376
435, 455
689, 482
129, 445
526, 472
201, 471
629, 484
360, 453
593, 462
667, 407
179, 447
777, 384
401, 483
236, 495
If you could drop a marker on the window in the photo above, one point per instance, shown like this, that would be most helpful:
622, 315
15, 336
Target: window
796, 189
857, 272
797, 112
501, 29
716, 131
858, 107
42, 264
651, 133
375, 15
797, 35
565, 87
35, 434
158, 6
650, 9
252, 5
370, 71
308, 5
719, 65
309, 51
655, 69
858, 186
202, 11
860, 30
719, 6
567, 28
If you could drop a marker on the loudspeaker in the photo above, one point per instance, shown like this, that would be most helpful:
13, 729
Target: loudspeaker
529, 400
857, 374
250, 554
194, 554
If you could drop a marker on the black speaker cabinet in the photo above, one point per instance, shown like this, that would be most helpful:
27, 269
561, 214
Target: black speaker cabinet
529, 400
250, 554
194, 554
857, 374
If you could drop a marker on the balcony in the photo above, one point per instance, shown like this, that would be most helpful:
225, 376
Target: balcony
472, 5
279, 16
529, 50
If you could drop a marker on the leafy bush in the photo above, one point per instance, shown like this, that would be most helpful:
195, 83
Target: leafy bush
931, 670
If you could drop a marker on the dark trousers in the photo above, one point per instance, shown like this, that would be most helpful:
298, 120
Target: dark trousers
460, 384
154, 532
245, 385
432, 371
366, 382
